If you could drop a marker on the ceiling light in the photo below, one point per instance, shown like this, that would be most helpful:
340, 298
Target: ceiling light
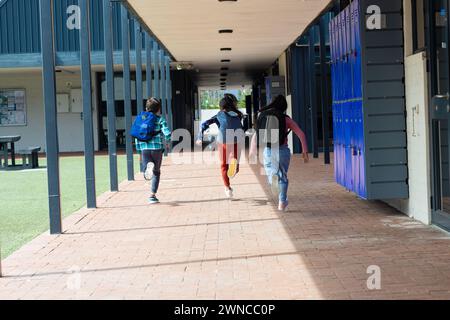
182, 65
226, 31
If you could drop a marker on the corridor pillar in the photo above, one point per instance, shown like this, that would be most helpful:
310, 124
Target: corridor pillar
86, 88
51, 123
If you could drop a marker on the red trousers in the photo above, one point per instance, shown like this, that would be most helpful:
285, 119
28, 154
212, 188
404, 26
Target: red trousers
227, 152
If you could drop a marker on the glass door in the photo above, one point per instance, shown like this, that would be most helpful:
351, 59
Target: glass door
440, 110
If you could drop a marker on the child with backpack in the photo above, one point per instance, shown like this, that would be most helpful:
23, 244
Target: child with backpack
230, 138
149, 130
277, 155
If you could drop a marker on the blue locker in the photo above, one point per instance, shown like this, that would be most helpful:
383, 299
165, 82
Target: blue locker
340, 103
331, 27
358, 165
354, 105
338, 96
347, 158
347, 105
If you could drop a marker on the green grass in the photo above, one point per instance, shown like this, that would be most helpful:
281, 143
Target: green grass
24, 199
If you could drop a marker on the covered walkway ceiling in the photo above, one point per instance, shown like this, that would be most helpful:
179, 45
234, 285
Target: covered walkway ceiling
262, 30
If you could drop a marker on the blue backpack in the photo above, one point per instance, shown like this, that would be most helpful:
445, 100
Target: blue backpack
144, 127
229, 121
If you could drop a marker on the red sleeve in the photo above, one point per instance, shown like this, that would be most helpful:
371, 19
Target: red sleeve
291, 125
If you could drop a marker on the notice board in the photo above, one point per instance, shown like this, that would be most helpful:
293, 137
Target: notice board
13, 109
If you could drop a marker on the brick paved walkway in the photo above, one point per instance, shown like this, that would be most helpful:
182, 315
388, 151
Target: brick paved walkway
198, 245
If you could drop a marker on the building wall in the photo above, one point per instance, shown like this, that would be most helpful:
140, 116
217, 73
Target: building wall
23, 36
418, 205
70, 125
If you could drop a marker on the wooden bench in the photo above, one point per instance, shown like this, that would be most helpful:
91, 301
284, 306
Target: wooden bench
30, 157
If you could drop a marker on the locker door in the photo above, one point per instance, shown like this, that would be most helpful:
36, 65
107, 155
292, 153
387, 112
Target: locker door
341, 97
333, 87
338, 97
347, 84
354, 121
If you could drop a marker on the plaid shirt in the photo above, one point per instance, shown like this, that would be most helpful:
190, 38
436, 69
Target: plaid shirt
157, 142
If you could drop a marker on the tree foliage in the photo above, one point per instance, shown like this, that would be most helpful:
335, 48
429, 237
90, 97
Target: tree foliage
210, 99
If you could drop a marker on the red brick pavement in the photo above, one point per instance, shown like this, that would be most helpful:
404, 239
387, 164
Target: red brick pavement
199, 245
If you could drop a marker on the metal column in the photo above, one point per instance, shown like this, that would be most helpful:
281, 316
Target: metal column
148, 64
324, 91
51, 125
164, 94
86, 85
127, 92
139, 85
162, 59
168, 86
111, 109
157, 68
312, 91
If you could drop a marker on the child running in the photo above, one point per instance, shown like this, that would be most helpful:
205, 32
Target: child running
277, 159
152, 151
231, 135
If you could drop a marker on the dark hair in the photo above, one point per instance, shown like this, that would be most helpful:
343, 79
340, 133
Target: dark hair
229, 103
279, 103
232, 97
153, 105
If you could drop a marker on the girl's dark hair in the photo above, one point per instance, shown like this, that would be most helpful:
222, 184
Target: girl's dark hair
228, 104
279, 103
153, 105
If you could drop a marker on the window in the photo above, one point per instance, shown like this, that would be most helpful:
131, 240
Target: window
418, 22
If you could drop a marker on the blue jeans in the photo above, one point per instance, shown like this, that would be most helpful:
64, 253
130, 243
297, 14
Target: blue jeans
276, 162
156, 157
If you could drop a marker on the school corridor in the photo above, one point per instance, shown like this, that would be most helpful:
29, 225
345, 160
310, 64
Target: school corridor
197, 244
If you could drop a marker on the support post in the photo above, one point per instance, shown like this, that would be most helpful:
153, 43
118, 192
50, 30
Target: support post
168, 86
162, 58
312, 91
51, 123
127, 91
324, 91
164, 94
86, 85
111, 109
139, 85
148, 67
156, 61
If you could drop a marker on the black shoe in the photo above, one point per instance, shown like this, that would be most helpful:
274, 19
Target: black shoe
153, 200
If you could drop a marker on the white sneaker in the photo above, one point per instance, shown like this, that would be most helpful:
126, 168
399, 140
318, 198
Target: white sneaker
229, 193
148, 173
275, 186
283, 206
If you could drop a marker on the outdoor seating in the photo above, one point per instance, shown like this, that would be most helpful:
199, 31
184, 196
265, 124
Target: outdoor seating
6, 151
30, 158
